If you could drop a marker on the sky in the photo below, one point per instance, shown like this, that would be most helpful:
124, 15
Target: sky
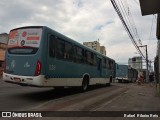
83, 21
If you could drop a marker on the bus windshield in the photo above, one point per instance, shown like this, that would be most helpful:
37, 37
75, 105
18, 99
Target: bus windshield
24, 41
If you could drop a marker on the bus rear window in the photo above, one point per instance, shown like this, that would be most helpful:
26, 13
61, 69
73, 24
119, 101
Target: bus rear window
24, 40
24, 50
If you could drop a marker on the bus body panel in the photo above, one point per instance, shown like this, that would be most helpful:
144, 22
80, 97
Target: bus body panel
65, 69
71, 82
24, 66
55, 72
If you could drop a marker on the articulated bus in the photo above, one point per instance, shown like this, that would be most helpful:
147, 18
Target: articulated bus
39, 56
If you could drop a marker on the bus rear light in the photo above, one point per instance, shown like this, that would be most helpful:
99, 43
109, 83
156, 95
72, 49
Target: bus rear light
38, 68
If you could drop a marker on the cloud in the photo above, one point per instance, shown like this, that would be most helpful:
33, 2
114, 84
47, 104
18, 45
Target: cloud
81, 20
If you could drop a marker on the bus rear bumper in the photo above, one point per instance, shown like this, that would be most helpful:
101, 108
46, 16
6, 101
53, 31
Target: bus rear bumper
24, 80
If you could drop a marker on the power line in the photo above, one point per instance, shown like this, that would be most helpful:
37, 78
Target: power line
133, 27
151, 31
129, 20
125, 24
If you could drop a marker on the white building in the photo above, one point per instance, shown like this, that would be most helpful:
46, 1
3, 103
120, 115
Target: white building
135, 62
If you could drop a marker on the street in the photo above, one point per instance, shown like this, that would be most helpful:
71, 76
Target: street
117, 97
16, 98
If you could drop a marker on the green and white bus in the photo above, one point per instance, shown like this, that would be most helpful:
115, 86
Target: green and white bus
40, 56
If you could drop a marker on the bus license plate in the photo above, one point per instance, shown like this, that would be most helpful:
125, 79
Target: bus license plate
17, 79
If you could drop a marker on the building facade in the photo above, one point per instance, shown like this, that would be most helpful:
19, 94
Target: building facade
3, 45
96, 46
135, 62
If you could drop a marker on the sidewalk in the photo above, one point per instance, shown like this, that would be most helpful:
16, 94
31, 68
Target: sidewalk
137, 98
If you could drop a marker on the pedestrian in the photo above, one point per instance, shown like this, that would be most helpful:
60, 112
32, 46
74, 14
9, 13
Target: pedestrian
151, 78
140, 79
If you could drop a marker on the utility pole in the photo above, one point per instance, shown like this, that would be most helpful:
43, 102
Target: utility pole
149, 7
147, 72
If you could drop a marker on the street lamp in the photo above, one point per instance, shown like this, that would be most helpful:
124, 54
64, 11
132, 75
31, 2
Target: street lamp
147, 75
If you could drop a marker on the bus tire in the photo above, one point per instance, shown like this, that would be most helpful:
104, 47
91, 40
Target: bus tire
110, 80
85, 83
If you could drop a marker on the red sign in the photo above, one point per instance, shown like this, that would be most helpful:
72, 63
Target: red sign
24, 34
33, 38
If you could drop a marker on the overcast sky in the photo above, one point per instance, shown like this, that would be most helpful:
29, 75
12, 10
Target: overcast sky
83, 20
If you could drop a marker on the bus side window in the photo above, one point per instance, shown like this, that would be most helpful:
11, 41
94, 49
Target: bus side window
68, 55
94, 60
110, 64
79, 54
98, 64
60, 49
89, 57
107, 63
117, 66
104, 63
52, 43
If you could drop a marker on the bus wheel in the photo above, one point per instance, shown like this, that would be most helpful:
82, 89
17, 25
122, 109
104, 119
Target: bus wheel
85, 83
110, 80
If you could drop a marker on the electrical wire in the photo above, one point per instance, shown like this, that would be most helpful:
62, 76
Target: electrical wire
151, 31
127, 28
132, 25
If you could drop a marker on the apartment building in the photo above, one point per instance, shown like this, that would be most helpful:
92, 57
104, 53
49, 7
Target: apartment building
96, 46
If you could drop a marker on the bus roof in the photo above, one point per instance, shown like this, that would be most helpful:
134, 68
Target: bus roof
25, 27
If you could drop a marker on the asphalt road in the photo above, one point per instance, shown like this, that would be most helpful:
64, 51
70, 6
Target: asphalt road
117, 97
20, 98
14, 97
